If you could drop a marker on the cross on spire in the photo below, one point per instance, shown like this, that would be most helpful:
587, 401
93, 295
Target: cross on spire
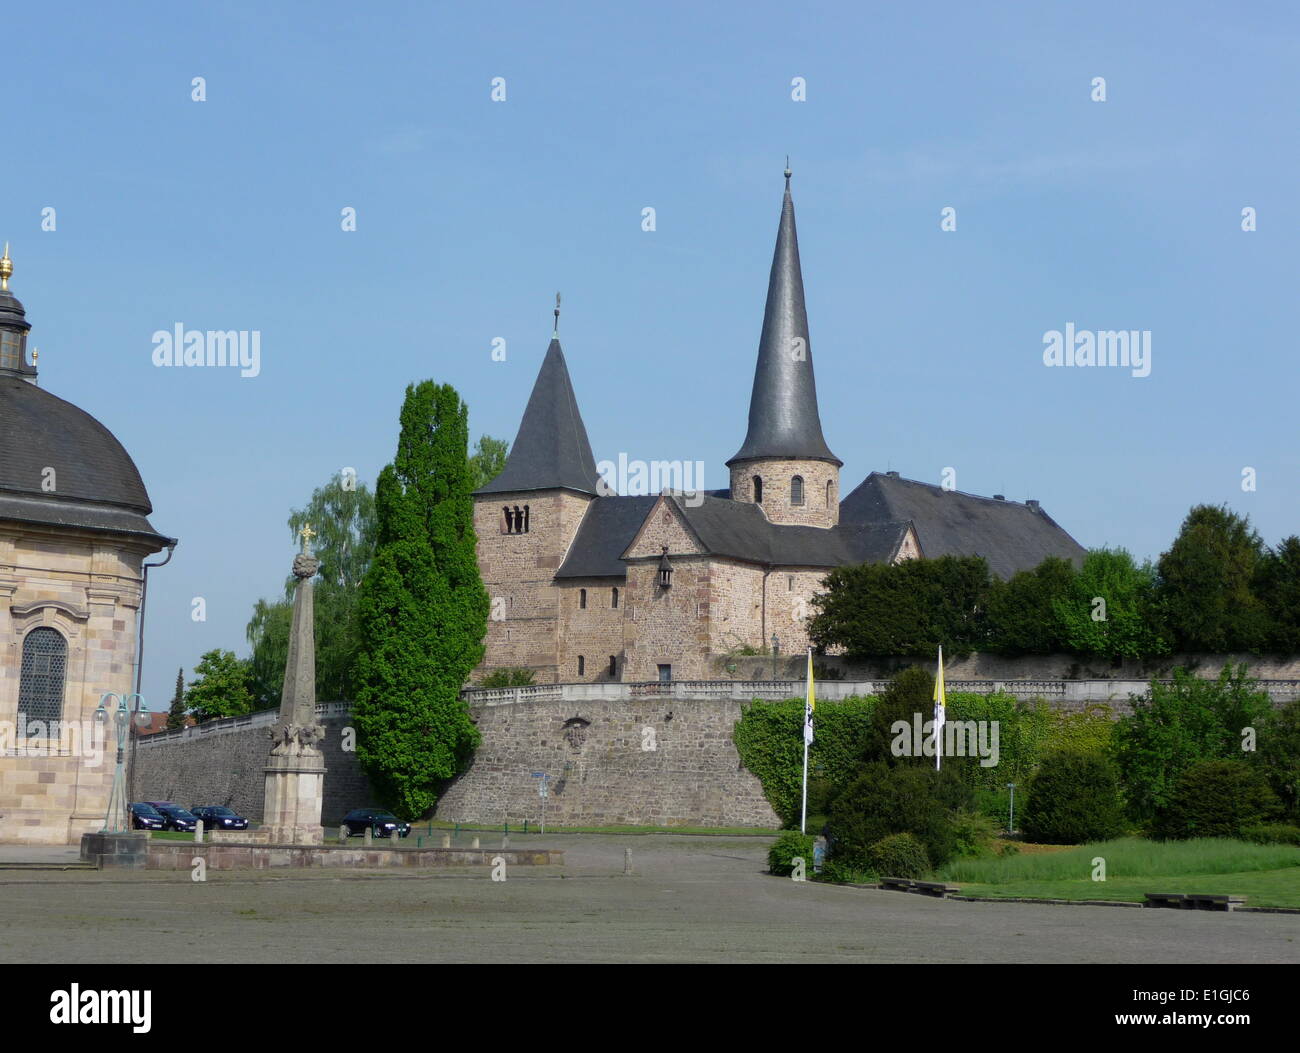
306, 533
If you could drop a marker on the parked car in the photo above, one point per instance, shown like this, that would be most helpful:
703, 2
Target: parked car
219, 817
174, 816
384, 824
146, 817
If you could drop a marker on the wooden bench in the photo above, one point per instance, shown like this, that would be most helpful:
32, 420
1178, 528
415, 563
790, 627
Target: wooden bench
925, 888
1194, 900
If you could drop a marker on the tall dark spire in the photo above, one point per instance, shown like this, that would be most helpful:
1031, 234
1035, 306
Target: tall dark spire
783, 417
551, 450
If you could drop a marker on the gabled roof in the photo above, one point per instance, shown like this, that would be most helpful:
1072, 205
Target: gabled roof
607, 529
551, 450
1011, 536
783, 417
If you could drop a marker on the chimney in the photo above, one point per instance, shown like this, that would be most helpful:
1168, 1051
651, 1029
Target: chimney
1032, 504
892, 475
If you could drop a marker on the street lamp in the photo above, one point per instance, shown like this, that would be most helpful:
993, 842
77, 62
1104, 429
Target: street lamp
776, 650
1011, 818
115, 819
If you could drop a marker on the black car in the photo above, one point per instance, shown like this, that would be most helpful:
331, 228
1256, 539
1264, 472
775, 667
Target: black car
174, 816
146, 817
219, 817
384, 824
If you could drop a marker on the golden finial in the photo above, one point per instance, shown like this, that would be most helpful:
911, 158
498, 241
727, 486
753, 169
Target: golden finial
306, 533
6, 269
36, 355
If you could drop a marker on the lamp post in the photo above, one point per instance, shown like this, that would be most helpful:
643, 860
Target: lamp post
115, 819
776, 650
1011, 818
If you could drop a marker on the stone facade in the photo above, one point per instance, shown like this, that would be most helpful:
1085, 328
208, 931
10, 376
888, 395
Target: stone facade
819, 504
86, 587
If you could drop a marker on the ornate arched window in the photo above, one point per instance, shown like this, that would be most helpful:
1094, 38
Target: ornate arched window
40, 686
796, 490
758, 490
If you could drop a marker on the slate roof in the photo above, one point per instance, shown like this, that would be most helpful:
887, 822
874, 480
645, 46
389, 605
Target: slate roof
98, 486
1010, 535
551, 449
606, 530
783, 417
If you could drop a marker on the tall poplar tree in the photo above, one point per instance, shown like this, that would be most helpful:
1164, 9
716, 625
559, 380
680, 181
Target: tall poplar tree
176, 714
422, 609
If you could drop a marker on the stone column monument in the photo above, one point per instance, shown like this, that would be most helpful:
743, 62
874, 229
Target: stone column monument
295, 773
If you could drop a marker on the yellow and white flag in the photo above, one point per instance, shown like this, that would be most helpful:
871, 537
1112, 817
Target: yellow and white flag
940, 698
810, 703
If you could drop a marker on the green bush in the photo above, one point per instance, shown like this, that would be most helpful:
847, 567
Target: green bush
1073, 798
1272, 834
507, 678
786, 848
838, 871
974, 833
904, 798
899, 855
1217, 798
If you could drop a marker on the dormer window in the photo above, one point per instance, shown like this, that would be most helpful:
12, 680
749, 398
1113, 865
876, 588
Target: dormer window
758, 490
12, 344
665, 570
796, 490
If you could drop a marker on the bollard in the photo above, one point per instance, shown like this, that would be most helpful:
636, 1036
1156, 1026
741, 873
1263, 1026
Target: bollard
627, 861
370, 835
474, 843
446, 840
505, 841
198, 831
419, 842
343, 832
525, 826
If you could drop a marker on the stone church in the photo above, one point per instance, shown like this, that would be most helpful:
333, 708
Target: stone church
590, 586
74, 533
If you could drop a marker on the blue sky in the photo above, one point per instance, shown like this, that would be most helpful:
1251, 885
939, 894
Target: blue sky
225, 214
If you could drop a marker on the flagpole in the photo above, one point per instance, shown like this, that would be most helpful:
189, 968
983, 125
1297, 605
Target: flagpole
807, 719
940, 691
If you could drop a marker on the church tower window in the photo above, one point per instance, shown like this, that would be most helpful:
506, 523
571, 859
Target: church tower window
830, 493
758, 490
40, 686
613, 597
665, 570
796, 490
582, 599
582, 665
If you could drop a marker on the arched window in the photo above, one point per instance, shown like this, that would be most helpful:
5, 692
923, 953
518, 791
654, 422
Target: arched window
796, 490
582, 665
510, 519
613, 665
582, 599
525, 530
613, 597
830, 493
40, 685
758, 490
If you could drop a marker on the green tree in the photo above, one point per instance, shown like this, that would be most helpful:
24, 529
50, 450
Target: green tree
1205, 584
487, 460
1073, 798
176, 715
1108, 611
1278, 755
422, 609
1178, 724
909, 692
1278, 588
220, 688
1215, 798
910, 608
899, 799
342, 515
1022, 615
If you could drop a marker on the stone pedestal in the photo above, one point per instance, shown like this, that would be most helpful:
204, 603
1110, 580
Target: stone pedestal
295, 787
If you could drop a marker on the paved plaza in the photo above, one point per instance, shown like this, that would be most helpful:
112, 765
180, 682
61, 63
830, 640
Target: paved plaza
703, 899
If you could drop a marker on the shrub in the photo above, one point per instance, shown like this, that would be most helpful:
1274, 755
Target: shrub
905, 798
1217, 798
786, 848
834, 870
1279, 756
974, 833
1272, 834
508, 677
899, 855
1073, 798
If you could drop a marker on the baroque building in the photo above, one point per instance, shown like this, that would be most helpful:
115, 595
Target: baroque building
74, 534
591, 586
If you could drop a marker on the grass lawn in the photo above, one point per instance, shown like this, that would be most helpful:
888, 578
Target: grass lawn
1269, 875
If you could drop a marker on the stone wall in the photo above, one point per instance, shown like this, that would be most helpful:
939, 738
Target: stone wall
821, 481
600, 772
227, 767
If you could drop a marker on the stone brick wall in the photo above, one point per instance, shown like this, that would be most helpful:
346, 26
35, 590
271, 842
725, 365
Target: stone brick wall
595, 632
228, 767
86, 587
778, 480
518, 571
600, 772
